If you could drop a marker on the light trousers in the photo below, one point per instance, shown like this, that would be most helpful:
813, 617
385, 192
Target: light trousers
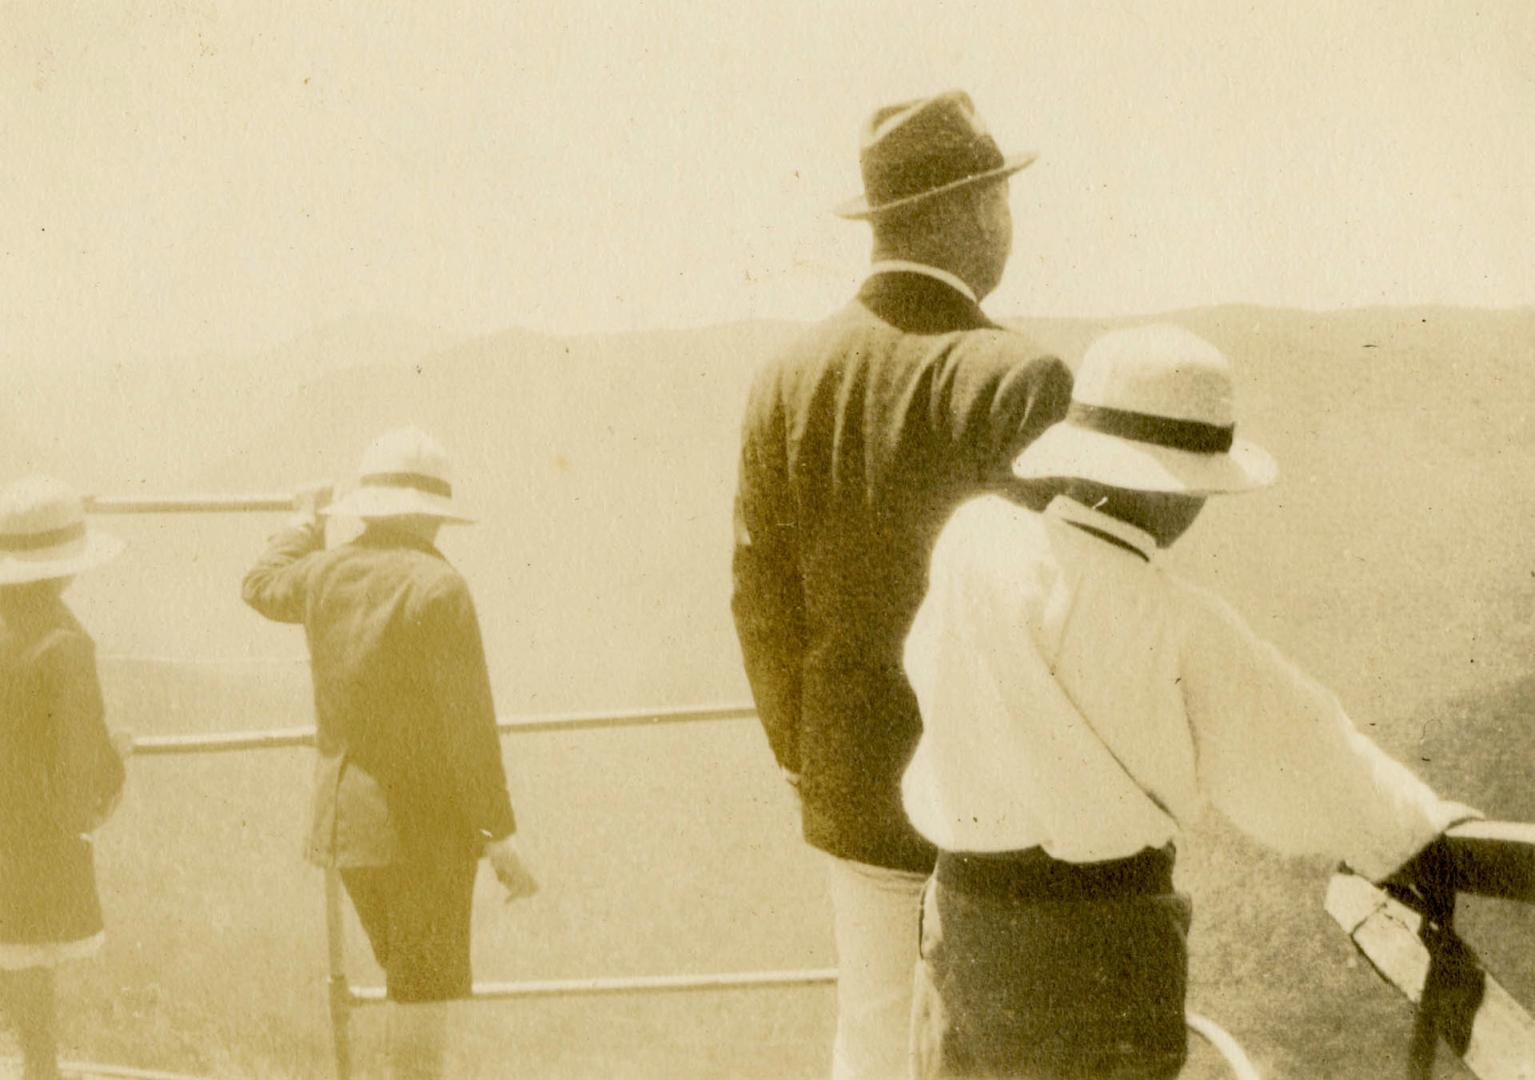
876, 913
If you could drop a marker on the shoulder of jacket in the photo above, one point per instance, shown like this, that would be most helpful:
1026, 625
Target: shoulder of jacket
807, 349
1004, 344
66, 644
438, 583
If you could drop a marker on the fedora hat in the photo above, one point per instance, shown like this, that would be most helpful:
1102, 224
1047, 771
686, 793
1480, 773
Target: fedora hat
1151, 410
43, 534
403, 472
916, 149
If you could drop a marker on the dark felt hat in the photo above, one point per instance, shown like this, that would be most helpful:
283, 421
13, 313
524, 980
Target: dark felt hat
917, 149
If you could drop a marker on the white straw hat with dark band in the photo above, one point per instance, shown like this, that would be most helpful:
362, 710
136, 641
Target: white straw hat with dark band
403, 472
43, 534
1151, 410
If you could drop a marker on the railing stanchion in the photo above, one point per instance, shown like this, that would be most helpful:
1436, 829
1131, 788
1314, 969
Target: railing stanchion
340, 990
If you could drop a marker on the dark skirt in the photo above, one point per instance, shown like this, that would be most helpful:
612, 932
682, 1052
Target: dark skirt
48, 891
1041, 969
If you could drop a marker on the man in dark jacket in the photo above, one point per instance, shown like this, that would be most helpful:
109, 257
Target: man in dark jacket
409, 785
857, 444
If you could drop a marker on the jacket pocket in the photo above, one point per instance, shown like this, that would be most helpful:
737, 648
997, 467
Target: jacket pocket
351, 822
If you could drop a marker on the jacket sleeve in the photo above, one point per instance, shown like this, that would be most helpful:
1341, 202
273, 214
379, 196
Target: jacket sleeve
1279, 756
276, 585
1000, 395
767, 600
85, 774
1030, 396
453, 659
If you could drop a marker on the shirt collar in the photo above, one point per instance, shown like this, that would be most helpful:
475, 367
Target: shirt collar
1069, 510
904, 266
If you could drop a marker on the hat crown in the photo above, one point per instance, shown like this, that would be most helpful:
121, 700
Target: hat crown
1162, 371
37, 505
408, 451
918, 146
924, 122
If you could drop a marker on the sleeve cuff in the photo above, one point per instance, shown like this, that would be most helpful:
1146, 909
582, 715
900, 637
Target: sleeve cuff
499, 826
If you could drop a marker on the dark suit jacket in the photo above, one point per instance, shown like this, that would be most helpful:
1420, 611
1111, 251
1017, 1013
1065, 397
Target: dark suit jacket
409, 758
857, 444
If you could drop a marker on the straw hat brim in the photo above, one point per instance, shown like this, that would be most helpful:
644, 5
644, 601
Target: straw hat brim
1068, 451
376, 502
859, 209
67, 560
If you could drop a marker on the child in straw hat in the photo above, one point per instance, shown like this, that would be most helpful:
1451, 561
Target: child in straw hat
60, 772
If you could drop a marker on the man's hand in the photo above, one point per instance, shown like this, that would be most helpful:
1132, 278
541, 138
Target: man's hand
510, 870
308, 501
792, 779
1426, 882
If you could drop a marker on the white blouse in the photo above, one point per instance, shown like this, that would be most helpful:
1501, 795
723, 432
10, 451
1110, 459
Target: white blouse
1077, 697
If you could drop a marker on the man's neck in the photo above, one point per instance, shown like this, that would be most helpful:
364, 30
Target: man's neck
398, 532
888, 265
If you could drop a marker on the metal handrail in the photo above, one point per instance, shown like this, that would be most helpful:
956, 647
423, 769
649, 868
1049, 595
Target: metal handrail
90, 1070
343, 996
188, 504
1224, 1044
629, 984
285, 738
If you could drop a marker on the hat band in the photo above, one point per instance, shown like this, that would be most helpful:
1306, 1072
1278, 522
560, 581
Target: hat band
1192, 435
891, 181
40, 540
432, 485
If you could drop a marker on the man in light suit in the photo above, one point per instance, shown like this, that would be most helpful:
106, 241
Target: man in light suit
857, 444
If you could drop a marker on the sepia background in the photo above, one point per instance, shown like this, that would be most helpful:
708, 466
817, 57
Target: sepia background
241, 239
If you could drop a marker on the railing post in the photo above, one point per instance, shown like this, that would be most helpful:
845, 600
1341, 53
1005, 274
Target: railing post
340, 990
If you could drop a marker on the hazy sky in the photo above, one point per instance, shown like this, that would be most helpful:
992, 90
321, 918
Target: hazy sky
185, 176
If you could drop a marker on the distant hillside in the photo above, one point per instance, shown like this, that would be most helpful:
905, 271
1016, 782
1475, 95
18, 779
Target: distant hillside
602, 469
144, 425
1392, 558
